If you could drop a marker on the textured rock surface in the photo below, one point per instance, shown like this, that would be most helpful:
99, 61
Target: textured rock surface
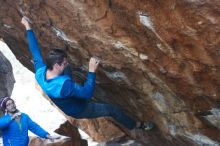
36, 141
6, 77
66, 129
160, 59
69, 130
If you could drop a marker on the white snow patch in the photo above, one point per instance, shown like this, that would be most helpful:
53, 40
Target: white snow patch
143, 57
128, 142
159, 46
160, 102
116, 75
61, 34
121, 46
214, 118
172, 129
86, 136
202, 140
7, 26
145, 20
215, 111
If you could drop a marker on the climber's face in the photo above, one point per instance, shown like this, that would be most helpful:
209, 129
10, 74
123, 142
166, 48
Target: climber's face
10, 106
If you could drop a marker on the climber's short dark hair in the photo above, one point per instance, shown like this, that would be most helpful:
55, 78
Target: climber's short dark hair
55, 56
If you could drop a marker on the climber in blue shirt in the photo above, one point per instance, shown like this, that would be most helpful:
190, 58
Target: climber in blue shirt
15, 125
71, 97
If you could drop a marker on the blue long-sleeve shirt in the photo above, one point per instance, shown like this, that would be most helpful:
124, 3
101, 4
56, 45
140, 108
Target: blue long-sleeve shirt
68, 95
16, 133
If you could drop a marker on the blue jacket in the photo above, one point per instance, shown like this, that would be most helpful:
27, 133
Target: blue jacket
69, 96
16, 133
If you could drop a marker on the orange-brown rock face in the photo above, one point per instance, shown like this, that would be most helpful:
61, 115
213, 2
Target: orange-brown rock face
160, 59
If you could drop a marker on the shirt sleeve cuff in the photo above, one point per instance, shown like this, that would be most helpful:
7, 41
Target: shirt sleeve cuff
29, 32
45, 135
92, 75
